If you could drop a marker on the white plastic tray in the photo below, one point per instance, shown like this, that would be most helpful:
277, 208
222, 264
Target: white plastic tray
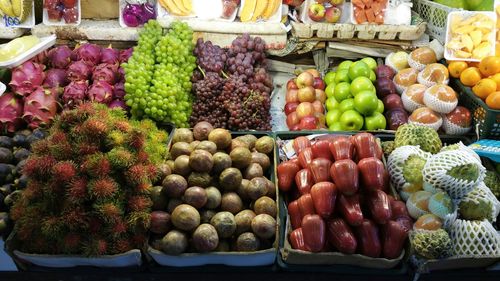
163, 13
2, 88
304, 13
46, 20
29, 22
122, 5
448, 54
276, 18
45, 43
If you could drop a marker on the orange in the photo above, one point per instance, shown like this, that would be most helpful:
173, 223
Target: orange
496, 78
485, 87
489, 66
470, 76
493, 100
497, 48
456, 67
473, 64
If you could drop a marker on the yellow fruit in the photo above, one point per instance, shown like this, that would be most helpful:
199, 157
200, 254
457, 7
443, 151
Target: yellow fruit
476, 37
248, 10
496, 78
188, 4
180, 5
483, 50
259, 9
172, 8
6, 8
468, 44
462, 54
484, 88
271, 8
17, 46
490, 66
470, 76
456, 67
493, 101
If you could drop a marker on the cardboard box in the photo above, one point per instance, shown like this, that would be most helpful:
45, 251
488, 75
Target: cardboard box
100, 9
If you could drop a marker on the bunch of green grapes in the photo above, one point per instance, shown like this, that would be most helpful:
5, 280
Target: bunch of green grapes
139, 69
170, 93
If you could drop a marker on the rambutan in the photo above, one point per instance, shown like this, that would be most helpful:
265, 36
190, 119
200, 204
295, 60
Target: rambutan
136, 175
77, 190
39, 167
33, 189
96, 165
139, 220
139, 203
64, 171
40, 147
142, 156
75, 218
115, 138
136, 139
102, 188
139, 240
57, 137
119, 227
52, 227
153, 172
84, 148
86, 109
95, 247
143, 188
18, 210
53, 188
123, 126
71, 243
25, 231
120, 158
93, 128
69, 118
108, 212
121, 246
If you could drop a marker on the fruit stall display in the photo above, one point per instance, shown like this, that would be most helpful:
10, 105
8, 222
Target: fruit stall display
218, 196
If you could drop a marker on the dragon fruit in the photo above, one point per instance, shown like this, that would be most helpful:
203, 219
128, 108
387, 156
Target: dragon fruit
60, 57
126, 54
75, 93
78, 71
26, 77
121, 74
118, 104
89, 53
11, 111
110, 55
105, 72
119, 91
101, 91
55, 78
41, 58
40, 107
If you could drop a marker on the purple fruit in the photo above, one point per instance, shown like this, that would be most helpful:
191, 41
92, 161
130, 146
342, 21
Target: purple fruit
396, 117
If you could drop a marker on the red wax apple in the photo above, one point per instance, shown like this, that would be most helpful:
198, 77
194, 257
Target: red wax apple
297, 240
399, 209
350, 209
394, 237
305, 157
321, 149
379, 206
324, 195
306, 205
373, 174
295, 216
342, 148
286, 174
345, 175
341, 237
300, 143
368, 238
314, 231
320, 168
366, 146
304, 181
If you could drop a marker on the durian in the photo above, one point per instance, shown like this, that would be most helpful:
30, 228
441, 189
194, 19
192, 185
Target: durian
431, 244
411, 134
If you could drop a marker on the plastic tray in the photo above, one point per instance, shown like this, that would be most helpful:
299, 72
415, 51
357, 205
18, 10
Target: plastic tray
487, 148
121, 6
435, 15
448, 54
276, 18
163, 13
2, 88
45, 43
46, 20
29, 22
304, 13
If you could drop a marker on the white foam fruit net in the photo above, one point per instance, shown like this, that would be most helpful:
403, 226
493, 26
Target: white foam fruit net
437, 166
474, 239
453, 129
435, 126
482, 192
409, 104
396, 161
438, 105
462, 147
427, 81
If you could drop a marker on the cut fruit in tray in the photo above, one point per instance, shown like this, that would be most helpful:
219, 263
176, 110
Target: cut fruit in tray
178, 7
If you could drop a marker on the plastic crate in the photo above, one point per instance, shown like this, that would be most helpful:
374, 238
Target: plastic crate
435, 15
486, 120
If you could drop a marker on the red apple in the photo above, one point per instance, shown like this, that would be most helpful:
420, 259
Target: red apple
318, 106
295, 127
292, 96
304, 79
314, 72
290, 107
291, 84
333, 14
308, 123
392, 101
459, 116
304, 109
306, 94
319, 83
292, 119
293, 3
320, 95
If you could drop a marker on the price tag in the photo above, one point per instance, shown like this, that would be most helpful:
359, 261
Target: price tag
11, 21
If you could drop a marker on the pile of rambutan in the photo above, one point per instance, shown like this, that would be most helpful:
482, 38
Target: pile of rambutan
89, 184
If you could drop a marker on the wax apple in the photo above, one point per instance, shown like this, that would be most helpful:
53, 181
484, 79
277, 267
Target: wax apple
366, 103
305, 157
290, 107
294, 213
320, 168
297, 240
345, 175
341, 148
341, 236
376, 121
324, 195
373, 174
304, 79
304, 181
367, 235
350, 209
301, 143
351, 120
362, 84
321, 149
314, 230
366, 146
319, 83
379, 206
333, 14
306, 205
394, 237
304, 109
286, 174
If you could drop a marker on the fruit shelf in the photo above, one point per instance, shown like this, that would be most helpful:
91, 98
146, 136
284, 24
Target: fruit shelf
300, 261
486, 120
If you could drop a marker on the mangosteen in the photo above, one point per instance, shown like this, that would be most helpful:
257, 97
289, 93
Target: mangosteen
6, 189
6, 155
32, 139
12, 198
39, 134
159, 201
21, 154
20, 166
6, 142
21, 140
21, 182
5, 173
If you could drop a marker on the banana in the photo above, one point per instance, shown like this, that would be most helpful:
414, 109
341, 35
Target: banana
248, 10
171, 7
181, 7
188, 4
271, 8
6, 8
260, 8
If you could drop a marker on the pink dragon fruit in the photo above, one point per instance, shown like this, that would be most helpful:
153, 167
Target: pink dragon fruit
105, 72
55, 78
40, 107
11, 111
126, 54
100, 91
119, 91
60, 57
89, 53
26, 77
75, 93
110, 55
121, 74
118, 104
41, 58
78, 71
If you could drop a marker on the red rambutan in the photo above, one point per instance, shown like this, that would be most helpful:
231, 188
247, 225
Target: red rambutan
71, 243
33, 189
119, 228
75, 218
109, 212
25, 231
94, 128
136, 175
64, 171
86, 109
123, 126
139, 203
102, 188
39, 167
139, 220
121, 246
77, 190
136, 139
142, 156
96, 165
69, 118
139, 240
86, 149
120, 158
52, 227
40, 147
153, 172
102, 247
143, 188
95, 225
58, 137
18, 210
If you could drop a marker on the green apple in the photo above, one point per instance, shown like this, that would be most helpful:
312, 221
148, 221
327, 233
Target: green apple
373, 76
330, 90
375, 122
359, 69
331, 104
335, 127
371, 62
330, 77
344, 65
342, 76
351, 120
361, 84
347, 104
365, 103
342, 91
333, 116
380, 106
